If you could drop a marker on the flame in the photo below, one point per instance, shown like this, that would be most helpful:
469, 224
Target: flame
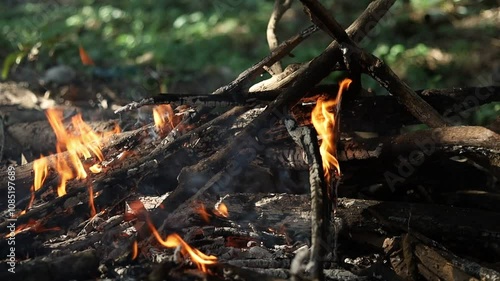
202, 211
222, 210
33, 225
159, 114
174, 240
325, 120
84, 57
41, 170
82, 142
135, 250
91, 201
96, 168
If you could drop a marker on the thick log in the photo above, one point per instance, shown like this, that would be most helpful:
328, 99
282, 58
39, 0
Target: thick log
414, 256
478, 143
139, 164
362, 221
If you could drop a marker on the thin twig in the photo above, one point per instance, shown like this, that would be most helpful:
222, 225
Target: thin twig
280, 7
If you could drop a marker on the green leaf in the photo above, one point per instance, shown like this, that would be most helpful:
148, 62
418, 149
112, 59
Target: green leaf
12, 58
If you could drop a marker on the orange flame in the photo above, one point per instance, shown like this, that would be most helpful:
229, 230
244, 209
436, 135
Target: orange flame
83, 142
325, 120
84, 57
135, 250
91, 201
222, 210
202, 211
159, 114
174, 240
33, 225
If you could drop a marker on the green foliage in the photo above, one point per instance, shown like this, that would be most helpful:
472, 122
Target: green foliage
183, 37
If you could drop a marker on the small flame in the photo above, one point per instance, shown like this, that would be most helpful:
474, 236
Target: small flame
41, 170
135, 250
96, 168
91, 201
159, 114
174, 240
202, 211
33, 225
325, 120
84, 57
222, 210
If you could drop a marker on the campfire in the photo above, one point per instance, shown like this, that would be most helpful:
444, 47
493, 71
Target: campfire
246, 183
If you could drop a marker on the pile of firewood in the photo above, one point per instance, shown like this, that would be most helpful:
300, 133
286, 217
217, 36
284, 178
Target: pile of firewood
242, 194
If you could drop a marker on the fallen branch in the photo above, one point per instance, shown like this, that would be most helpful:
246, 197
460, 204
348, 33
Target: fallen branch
321, 209
375, 67
280, 7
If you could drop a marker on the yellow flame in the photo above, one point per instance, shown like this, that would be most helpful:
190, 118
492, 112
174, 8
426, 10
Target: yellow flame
83, 142
159, 114
222, 210
325, 120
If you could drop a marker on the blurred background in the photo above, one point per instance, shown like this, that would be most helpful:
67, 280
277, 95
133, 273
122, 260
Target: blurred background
141, 47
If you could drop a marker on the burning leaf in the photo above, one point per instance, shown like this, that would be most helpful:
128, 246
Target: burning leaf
325, 120
84, 57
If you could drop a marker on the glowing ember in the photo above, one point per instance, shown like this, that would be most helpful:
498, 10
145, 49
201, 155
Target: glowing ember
324, 118
222, 210
174, 240
96, 168
159, 114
